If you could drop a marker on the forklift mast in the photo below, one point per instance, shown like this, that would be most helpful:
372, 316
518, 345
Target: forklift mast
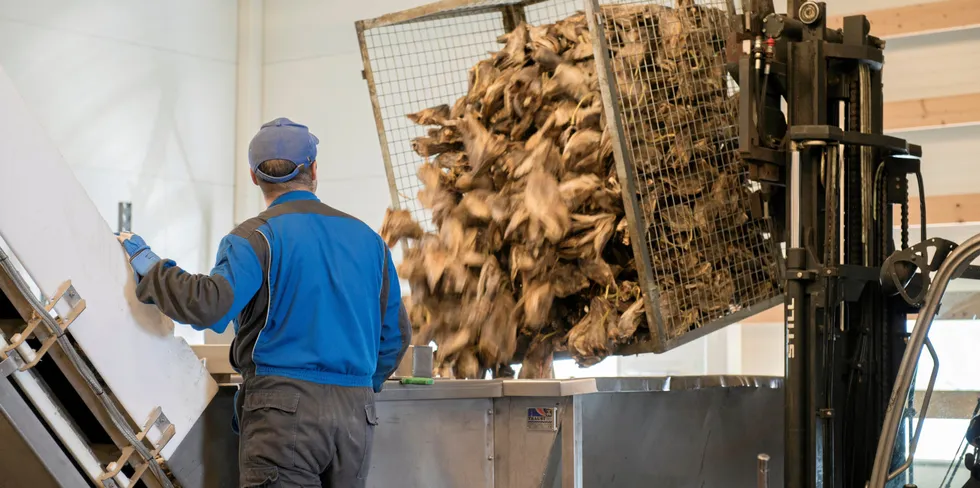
832, 177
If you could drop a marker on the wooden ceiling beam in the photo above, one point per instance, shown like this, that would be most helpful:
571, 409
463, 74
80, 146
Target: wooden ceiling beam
945, 210
932, 113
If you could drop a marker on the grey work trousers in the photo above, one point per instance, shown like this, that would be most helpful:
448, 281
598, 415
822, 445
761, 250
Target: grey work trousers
302, 434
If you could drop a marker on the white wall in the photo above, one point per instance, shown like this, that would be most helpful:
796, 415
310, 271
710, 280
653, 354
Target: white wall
313, 75
139, 96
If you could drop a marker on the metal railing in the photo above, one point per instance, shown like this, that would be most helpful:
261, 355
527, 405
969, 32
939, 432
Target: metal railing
953, 267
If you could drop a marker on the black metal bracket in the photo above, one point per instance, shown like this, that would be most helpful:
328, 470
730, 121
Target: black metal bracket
125, 219
897, 171
907, 272
826, 133
872, 56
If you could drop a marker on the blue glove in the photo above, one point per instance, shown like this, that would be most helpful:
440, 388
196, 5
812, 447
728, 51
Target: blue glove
141, 257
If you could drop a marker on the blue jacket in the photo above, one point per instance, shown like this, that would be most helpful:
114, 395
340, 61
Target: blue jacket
312, 293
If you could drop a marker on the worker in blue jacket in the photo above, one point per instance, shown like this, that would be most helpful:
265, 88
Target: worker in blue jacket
316, 306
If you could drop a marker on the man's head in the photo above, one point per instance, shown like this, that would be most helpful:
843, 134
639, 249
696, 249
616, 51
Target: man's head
283, 157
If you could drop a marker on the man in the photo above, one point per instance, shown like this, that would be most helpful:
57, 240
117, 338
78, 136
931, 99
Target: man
316, 307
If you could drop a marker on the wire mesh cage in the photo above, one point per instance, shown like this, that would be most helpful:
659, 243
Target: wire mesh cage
652, 118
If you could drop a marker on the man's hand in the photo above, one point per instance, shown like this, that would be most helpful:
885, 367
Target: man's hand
141, 257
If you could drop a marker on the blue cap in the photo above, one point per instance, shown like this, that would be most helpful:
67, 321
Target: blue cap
282, 139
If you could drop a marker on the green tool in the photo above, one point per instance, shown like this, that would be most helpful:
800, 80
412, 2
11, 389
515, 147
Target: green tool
417, 381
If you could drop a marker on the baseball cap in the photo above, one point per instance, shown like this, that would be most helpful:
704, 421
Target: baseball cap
282, 139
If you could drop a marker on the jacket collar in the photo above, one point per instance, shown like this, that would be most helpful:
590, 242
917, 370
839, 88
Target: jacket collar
294, 195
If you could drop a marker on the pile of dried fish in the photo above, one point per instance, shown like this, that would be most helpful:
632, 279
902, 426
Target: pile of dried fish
532, 252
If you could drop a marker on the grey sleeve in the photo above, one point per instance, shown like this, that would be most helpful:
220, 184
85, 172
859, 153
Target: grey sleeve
196, 300
206, 301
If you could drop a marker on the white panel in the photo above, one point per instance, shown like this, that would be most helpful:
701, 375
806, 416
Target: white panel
364, 198
204, 28
949, 164
566, 368
763, 349
723, 351
248, 113
332, 99
137, 122
955, 342
688, 359
932, 66
117, 106
174, 216
57, 233
303, 29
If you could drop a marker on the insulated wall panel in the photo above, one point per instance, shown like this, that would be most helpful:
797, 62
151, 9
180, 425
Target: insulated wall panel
56, 232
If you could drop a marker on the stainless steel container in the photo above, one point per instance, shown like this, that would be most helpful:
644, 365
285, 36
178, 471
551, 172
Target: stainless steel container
677, 432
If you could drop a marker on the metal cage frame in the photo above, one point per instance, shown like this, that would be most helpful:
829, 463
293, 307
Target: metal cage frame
512, 13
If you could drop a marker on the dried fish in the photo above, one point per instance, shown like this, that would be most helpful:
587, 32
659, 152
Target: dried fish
398, 225
468, 366
598, 271
428, 146
482, 148
583, 143
570, 80
539, 359
577, 189
544, 156
513, 52
450, 160
548, 215
537, 300
680, 217
431, 116
590, 235
567, 280
629, 321
547, 58
533, 248
474, 208
588, 340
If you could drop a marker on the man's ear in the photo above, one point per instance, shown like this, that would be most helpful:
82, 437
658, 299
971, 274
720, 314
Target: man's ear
255, 179
313, 170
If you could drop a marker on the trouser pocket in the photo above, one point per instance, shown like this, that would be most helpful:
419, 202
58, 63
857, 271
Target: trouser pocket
269, 429
371, 420
260, 478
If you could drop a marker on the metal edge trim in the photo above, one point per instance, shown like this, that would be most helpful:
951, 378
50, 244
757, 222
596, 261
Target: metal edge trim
624, 169
443, 7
